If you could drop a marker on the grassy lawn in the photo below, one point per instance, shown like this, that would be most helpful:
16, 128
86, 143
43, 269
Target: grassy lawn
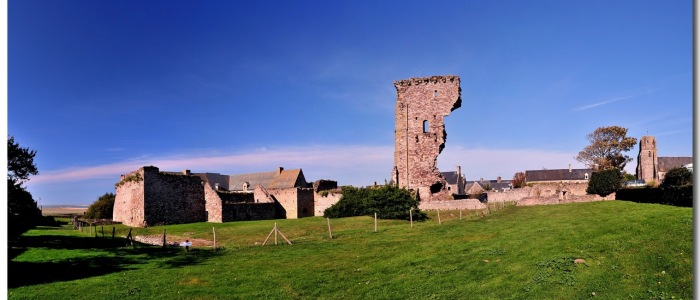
628, 251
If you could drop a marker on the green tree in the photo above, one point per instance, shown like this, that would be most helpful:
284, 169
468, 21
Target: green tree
389, 202
606, 148
102, 208
23, 213
677, 177
604, 182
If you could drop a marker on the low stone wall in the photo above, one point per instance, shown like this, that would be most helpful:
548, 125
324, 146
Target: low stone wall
452, 204
248, 211
321, 203
508, 196
556, 200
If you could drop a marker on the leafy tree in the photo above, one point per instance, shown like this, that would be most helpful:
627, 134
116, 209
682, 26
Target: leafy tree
518, 180
606, 148
677, 177
102, 208
20, 162
23, 213
389, 202
604, 182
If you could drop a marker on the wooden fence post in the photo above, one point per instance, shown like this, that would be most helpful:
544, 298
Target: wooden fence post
213, 229
103, 230
113, 231
164, 239
276, 230
375, 222
410, 212
460, 213
439, 220
330, 232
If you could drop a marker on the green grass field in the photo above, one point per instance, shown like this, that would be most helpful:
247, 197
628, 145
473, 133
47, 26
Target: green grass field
629, 251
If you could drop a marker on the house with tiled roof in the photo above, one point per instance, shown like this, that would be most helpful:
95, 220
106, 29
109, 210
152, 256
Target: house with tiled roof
558, 175
482, 186
455, 181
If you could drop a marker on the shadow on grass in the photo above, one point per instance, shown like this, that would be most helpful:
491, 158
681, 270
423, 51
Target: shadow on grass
111, 256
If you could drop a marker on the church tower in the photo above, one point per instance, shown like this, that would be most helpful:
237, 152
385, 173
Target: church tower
647, 161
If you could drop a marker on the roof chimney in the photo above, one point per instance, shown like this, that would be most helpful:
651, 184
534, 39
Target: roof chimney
186, 172
481, 179
459, 172
498, 179
279, 170
569, 168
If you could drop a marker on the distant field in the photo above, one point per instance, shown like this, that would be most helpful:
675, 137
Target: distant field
609, 250
63, 210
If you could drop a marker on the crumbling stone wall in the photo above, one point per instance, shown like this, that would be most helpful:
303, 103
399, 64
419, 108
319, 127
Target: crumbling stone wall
419, 135
214, 205
129, 200
324, 185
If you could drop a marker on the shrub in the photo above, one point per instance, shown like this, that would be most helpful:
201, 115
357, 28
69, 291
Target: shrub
604, 182
677, 177
103, 208
389, 202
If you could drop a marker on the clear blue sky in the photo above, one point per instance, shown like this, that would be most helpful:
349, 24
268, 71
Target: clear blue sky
100, 88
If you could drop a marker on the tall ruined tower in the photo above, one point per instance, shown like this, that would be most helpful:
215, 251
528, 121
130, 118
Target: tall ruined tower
647, 161
419, 136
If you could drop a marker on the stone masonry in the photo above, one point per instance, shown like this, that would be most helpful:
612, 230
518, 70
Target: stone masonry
647, 160
419, 135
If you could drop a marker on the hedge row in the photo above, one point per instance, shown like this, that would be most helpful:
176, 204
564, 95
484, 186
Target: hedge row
675, 195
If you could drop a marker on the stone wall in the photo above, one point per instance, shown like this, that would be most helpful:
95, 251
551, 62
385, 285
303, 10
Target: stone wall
508, 196
452, 204
158, 198
321, 203
419, 135
647, 160
294, 203
128, 203
242, 211
324, 185
172, 199
214, 205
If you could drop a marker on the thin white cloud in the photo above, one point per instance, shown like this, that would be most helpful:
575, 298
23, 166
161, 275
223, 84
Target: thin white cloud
317, 157
613, 100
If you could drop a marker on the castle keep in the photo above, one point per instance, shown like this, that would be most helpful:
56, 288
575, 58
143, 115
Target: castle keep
419, 136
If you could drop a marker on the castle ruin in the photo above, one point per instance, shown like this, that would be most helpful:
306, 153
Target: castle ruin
419, 136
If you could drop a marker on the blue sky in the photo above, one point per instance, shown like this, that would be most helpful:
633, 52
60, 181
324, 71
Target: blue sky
100, 88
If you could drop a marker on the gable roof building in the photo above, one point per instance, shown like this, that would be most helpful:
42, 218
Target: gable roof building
558, 175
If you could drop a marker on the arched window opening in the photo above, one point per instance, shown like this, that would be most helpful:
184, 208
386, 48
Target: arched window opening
426, 126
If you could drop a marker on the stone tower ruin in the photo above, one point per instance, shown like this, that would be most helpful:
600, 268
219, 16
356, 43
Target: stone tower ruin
419, 136
647, 161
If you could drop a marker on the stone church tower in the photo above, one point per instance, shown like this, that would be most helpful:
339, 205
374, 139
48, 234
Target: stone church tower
419, 135
647, 161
